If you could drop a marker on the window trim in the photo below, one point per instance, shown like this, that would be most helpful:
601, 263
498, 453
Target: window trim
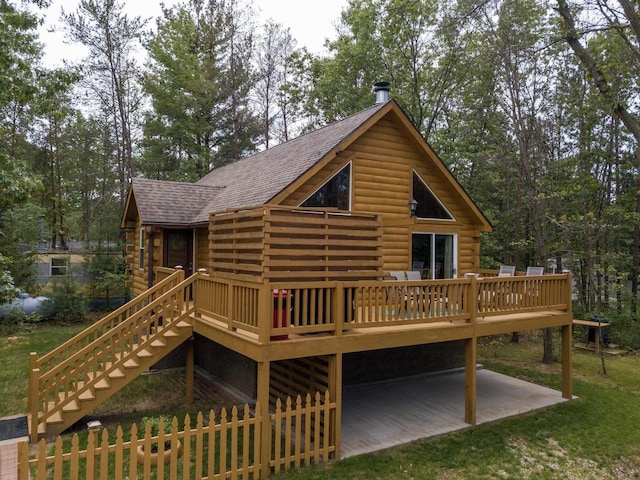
141, 248
62, 268
346, 165
426, 185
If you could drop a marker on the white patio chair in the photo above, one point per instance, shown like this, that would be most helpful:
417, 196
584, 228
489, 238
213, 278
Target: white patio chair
398, 274
413, 275
507, 271
535, 271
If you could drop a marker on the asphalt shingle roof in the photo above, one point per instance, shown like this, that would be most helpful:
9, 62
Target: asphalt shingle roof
251, 181
257, 179
170, 203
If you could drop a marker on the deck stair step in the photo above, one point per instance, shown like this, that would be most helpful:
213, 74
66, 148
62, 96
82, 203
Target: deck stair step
72, 406
130, 363
42, 428
144, 353
129, 360
55, 418
170, 332
102, 384
117, 373
87, 396
158, 343
110, 377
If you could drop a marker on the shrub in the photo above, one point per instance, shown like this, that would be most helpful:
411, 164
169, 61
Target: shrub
7, 285
12, 318
67, 302
154, 423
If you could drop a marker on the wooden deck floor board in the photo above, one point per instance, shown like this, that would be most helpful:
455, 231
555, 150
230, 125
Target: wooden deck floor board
385, 414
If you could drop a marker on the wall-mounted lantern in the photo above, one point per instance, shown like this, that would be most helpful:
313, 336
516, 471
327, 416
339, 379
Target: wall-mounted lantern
413, 205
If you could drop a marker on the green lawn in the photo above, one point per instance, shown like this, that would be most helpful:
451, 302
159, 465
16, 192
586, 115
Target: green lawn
14, 356
596, 436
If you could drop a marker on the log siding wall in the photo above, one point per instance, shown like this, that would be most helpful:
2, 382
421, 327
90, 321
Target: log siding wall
281, 243
139, 278
383, 161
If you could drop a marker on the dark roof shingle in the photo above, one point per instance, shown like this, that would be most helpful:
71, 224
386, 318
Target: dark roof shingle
251, 181
170, 203
257, 179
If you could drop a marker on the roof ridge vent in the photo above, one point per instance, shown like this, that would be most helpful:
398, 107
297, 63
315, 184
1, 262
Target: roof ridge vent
382, 91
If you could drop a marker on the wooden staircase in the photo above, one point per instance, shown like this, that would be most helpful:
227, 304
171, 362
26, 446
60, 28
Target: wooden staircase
72, 380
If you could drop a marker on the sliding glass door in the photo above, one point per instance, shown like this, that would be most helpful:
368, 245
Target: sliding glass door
434, 254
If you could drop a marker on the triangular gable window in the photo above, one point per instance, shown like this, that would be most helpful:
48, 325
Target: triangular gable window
428, 204
333, 194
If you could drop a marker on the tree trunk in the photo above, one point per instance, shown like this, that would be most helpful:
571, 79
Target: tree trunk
547, 342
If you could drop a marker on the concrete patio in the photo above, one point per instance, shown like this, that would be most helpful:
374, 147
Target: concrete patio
384, 414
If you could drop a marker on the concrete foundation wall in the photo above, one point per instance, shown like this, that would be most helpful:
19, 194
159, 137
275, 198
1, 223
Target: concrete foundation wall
226, 365
175, 359
363, 367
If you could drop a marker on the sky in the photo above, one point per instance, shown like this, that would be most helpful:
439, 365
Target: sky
311, 22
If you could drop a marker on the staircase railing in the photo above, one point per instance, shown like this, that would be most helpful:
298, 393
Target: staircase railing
78, 364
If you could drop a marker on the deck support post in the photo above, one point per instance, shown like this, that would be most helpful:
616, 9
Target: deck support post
263, 405
470, 379
567, 367
335, 390
189, 372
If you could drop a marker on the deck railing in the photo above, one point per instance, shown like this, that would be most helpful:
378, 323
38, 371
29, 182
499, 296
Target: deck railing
502, 295
98, 329
335, 307
71, 369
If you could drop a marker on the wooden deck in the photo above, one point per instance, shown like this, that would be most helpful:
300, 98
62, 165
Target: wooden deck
384, 414
322, 318
271, 322
384, 335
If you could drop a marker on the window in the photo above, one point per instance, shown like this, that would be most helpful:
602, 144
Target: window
59, 267
141, 249
428, 204
434, 255
335, 193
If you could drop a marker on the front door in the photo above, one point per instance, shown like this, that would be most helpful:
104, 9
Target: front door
434, 255
178, 249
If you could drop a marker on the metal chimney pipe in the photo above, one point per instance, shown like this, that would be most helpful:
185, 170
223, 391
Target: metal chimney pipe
382, 91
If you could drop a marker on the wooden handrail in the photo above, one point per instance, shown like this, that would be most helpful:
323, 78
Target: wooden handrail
114, 332
384, 303
88, 352
145, 298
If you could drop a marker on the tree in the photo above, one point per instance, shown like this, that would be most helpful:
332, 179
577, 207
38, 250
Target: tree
19, 58
354, 65
274, 61
111, 73
198, 79
615, 99
294, 83
20, 84
107, 273
23, 230
51, 161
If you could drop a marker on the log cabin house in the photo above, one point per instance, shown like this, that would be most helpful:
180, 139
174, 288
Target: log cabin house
283, 282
